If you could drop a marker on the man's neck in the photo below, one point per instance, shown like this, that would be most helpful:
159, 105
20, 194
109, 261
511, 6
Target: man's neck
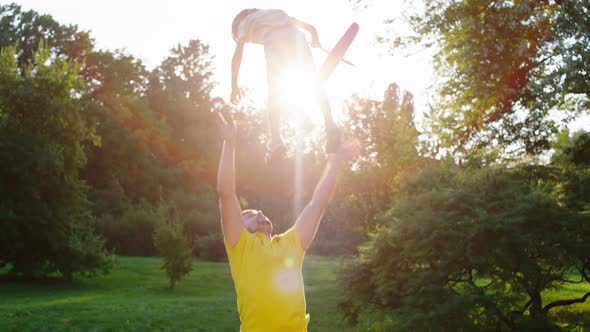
266, 234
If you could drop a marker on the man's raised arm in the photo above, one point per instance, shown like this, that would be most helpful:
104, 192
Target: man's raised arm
229, 206
308, 221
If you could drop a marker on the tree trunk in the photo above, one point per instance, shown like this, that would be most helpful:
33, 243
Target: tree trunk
536, 308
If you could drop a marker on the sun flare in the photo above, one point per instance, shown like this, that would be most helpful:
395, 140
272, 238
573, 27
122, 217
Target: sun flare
298, 93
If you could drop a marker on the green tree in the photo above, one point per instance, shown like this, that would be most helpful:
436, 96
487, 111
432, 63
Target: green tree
504, 65
473, 250
179, 93
127, 170
574, 151
572, 155
171, 242
154, 142
26, 29
386, 129
46, 220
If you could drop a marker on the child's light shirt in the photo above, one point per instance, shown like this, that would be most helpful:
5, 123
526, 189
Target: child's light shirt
256, 26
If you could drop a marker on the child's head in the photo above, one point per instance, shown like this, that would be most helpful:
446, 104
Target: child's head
238, 19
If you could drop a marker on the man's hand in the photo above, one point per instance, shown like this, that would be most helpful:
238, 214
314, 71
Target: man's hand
236, 95
226, 124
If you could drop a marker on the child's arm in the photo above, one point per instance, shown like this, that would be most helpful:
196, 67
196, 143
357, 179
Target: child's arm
235, 69
315, 41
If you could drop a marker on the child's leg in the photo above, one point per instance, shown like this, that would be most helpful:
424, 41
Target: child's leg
275, 148
325, 107
332, 132
306, 61
274, 66
274, 120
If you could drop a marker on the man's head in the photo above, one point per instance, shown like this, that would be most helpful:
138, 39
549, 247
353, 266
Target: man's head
256, 221
238, 19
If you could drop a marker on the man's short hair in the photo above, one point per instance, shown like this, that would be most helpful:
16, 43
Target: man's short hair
246, 211
238, 19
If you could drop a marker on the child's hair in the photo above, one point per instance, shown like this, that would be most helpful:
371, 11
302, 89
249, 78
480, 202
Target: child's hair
238, 19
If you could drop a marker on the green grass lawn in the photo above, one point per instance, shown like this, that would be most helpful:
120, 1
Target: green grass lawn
135, 297
575, 317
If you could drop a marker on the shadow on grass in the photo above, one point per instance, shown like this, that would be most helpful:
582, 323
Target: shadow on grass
572, 320
42, 280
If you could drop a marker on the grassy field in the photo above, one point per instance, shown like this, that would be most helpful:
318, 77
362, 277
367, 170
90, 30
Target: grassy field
134, 297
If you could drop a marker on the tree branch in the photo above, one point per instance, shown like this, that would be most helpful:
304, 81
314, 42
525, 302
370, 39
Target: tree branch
524, 308
582, 270
565, 302
563, 276
486, 7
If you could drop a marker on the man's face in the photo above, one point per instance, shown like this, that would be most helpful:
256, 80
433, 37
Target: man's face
256, 221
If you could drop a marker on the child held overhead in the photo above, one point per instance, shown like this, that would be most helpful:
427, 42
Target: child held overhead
285, 46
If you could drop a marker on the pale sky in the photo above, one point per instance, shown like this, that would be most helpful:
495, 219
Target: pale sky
149, 29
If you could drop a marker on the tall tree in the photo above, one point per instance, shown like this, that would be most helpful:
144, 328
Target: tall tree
386, 129
26, 29
572, 155
180, 93
504, 66
46, 221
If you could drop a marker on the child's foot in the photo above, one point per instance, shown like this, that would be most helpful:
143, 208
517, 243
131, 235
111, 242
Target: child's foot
275, 151
333, 139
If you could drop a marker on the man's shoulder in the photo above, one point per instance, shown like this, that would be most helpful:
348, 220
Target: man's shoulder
292, 230
242, 239
289, 238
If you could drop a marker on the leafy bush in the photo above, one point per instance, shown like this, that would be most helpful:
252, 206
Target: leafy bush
173, 247
472, 250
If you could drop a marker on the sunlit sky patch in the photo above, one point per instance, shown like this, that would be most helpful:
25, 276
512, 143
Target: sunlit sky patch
149, 29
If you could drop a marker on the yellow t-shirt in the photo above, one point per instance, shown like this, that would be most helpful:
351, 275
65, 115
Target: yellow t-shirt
268, 281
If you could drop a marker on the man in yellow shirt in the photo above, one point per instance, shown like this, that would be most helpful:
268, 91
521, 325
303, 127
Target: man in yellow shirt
267, 269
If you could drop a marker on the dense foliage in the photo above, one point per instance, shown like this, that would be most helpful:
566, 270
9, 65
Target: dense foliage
474, 249
505, 67
476, 242
45, 216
